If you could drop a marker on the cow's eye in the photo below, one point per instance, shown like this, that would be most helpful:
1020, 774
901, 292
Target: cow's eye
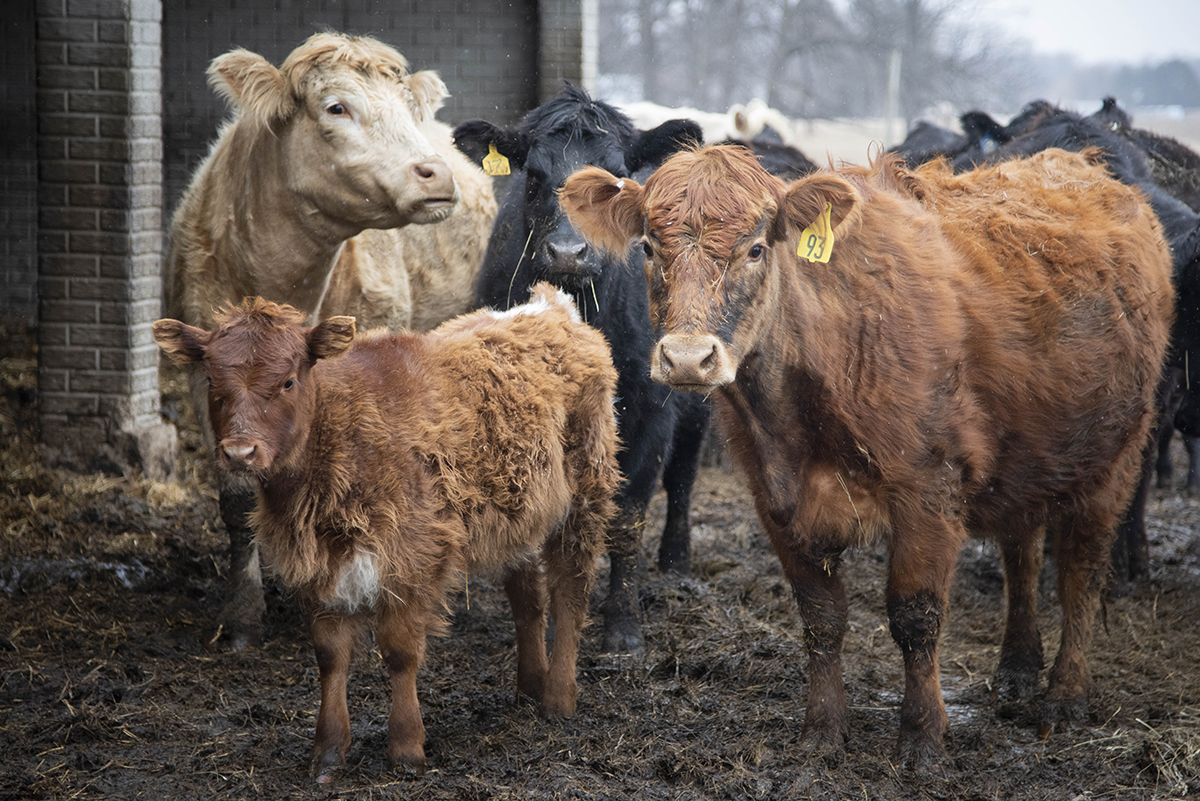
755, 253
649, 251
337, 110
288, 384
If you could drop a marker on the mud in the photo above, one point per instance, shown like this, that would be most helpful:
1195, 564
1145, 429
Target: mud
109, 586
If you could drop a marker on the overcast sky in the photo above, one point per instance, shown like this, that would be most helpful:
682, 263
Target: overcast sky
1131, 31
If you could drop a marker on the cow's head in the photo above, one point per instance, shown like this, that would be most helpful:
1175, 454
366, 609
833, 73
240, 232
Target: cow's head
554, 140
348, 117
258, 362
717, 230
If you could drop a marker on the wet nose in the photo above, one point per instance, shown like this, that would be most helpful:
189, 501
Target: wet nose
691, 361
434, 176
239, 452
565, 256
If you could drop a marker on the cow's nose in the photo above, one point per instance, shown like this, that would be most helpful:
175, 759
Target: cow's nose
238, 452
434, 176
566, 256
695, 361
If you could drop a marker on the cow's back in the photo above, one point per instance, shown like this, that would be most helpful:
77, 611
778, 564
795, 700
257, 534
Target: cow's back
1066, 298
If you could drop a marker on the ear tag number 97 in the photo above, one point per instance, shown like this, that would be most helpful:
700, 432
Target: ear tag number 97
816, 241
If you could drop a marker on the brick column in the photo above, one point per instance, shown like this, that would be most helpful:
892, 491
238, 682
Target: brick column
100, 234
561, 45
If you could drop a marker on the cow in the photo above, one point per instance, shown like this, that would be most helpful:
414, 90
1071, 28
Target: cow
389, 463
926, 142
660, 431
334, 189
965, 353
1040, 126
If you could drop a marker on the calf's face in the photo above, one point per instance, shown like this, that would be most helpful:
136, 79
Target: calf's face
260, 383
719, 235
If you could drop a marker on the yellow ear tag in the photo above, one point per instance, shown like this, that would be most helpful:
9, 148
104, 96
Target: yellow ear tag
816, 241
494, 163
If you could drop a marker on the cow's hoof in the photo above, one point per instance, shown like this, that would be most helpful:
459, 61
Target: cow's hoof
409, 766
327, 767
1060, 713
920, 755
233, 638
623, 637
824, 743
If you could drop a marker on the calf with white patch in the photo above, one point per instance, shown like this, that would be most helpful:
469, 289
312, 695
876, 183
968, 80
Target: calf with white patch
388, 463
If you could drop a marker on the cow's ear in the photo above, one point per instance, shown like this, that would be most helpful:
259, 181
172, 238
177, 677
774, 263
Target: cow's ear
331, 337
429, 93
476, 137
607, 210
183, 344
806, 199
250, 82
654, 146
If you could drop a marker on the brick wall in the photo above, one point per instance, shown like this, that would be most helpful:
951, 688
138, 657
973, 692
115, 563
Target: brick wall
18, 164
486, 52
99, 147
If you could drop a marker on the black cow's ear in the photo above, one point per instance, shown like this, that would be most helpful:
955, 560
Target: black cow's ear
476, 137
654, 146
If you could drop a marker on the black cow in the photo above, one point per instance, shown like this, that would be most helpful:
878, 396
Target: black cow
926, 142
1043, 126
660, 430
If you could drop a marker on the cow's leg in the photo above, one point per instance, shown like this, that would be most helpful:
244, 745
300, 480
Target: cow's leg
920, 568
526, 597
400, 634
1130, 557
622, 623
240, 624
823, 607
1192, 444
1021, 650
334, 637
679, 474
1082, 557
570, 560
1164, 468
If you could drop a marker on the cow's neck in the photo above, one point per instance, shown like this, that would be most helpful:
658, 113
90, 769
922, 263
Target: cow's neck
283, 248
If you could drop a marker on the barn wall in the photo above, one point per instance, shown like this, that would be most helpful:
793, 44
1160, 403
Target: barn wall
486, 52
18, 163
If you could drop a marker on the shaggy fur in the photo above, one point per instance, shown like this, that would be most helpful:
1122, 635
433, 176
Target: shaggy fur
313, 195
979, 355
489, 443
661, 431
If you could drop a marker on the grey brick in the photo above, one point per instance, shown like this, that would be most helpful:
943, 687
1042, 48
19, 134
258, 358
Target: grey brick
70, 405
68, 358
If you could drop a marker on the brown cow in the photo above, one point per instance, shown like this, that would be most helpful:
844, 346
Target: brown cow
314, 195
979, 354
487, 443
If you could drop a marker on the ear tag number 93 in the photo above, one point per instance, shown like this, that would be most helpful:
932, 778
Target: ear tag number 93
816, 241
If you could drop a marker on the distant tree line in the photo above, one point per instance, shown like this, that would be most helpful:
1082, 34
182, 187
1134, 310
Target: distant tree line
808, 58
817, 58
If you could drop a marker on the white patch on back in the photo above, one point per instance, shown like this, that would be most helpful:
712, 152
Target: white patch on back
540, 305
358, 585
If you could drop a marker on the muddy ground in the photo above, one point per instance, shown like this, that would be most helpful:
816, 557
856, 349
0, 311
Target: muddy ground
109, 585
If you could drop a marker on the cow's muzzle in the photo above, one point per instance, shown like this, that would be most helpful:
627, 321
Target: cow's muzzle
694, 362
242, 455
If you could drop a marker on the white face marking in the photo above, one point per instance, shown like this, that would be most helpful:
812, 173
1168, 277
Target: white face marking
540, 305
358, 585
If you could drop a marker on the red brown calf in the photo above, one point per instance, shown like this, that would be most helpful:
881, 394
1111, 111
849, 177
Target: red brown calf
388, 463
973, 353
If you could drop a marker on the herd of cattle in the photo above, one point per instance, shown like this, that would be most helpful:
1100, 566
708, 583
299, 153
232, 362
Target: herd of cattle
975, 334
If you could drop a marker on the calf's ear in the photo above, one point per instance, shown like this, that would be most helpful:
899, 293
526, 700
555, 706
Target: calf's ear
607, 210
806, 199
474, 136
429, 93
331, 337
250, 82
655, 145
183, 344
